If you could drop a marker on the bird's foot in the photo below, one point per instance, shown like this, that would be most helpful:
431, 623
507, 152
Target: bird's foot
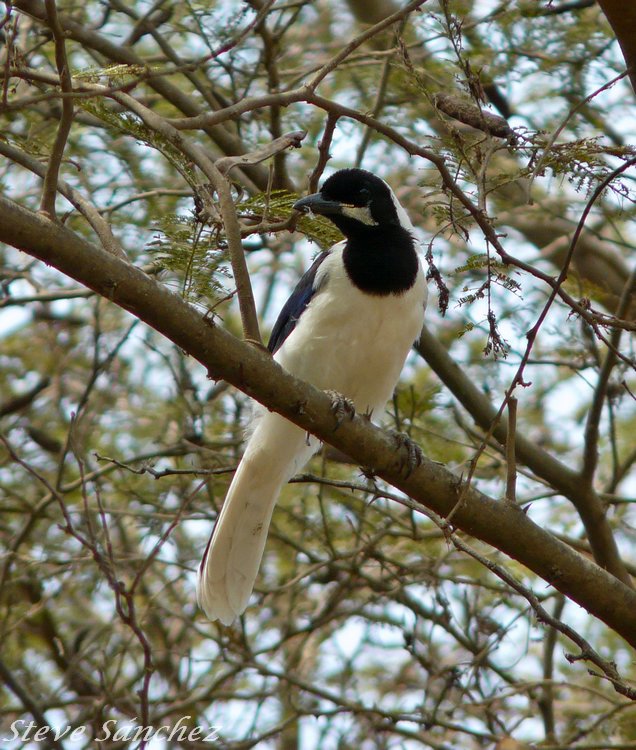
414, 455
342, 407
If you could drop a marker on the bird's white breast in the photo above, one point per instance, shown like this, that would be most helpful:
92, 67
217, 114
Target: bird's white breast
352, 342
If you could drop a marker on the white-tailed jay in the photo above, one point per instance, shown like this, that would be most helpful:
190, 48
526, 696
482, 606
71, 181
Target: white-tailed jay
347, 327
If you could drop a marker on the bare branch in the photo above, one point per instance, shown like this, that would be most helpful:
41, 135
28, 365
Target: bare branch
592, 434
289, 140
85, 207
544, 465
25, 399
226, 205
511, 460
49, 190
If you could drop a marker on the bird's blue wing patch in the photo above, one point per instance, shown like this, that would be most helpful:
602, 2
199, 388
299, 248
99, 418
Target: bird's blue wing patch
295, 305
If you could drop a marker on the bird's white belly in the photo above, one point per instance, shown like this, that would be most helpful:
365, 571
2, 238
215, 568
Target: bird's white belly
352, 342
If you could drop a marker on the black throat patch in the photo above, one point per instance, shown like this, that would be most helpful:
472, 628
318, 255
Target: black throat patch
381, 261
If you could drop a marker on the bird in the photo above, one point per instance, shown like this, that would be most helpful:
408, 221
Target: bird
347, 328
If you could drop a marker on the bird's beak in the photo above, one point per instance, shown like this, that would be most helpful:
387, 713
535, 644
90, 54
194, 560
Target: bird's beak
316, 204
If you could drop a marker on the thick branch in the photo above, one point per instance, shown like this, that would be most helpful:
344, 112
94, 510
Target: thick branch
502, 525
622, 19
542, 463
84, 206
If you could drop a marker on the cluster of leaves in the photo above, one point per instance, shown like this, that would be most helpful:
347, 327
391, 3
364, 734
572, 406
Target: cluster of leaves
584, 163
196, 255
277, 205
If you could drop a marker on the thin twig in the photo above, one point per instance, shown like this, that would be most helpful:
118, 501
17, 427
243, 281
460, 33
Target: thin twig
559, 130
16, 686
546, 698
49, 191
377, 105
511, 462
360, 39
227, 208
587, 653
590, 450
323, 151
606, 553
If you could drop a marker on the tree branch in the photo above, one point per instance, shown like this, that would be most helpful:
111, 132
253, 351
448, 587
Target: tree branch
592, 432
544, 465
226, 205
181, 100
502, 525
49, 191
622, 19
101, 227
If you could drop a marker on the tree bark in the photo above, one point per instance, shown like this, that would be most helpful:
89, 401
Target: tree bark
622, 18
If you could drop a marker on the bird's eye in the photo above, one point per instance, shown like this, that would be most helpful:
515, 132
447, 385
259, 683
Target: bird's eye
365, 194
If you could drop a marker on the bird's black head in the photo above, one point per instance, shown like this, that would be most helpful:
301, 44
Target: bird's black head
355, 201
380, 256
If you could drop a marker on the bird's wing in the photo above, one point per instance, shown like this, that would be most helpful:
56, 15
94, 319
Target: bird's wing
296, 304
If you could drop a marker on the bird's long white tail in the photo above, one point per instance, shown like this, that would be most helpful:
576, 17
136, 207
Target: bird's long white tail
276, 450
